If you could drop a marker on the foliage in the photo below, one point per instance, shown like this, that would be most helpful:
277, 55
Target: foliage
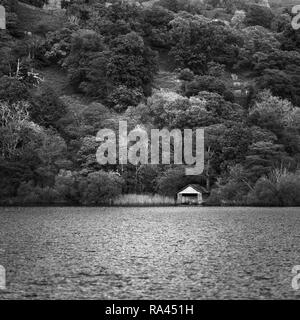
208, 83
90, 189
167, 109
12, 90
57, 45
258, 15
156, 26
112, 54
238, 18
143, 200
174, 179
196, 42
13, 121
87, 63
280, 188
132, 63
256, 39
11, 7
271, 112
123, 97
36, 3
46, 108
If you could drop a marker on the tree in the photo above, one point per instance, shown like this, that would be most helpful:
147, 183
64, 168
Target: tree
87, 64
238, 18
46, 108
262, 157
255, 39
258, 15
156, 27
57, 45
12, 90
281, 84
66, 184
173, 179
52, 152
171, 110
291, 39
279, 71
37, 3
118, 18
279, 188
99, 187
208, 83
132, 63
196, 41
123, 97
235, 142
281, 23
271, 112
13, 119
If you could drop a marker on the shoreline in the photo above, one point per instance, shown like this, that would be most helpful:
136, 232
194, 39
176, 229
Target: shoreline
58, 205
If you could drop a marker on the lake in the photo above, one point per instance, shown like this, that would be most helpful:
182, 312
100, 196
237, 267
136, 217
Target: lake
149, 253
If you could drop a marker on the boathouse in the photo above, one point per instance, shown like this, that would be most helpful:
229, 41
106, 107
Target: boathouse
192, 194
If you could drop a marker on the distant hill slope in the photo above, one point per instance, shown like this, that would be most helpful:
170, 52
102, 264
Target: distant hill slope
31, 18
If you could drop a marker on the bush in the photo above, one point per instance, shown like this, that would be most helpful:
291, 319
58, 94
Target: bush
186, 75
93, 188
259, 16
123, 97
46, 108
28, 193
264, 193
280, 188
99, 188
232, 193
66, 184
206, 83
12, 90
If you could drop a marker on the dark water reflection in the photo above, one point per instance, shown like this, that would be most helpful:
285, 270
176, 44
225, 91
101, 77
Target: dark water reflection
149, 253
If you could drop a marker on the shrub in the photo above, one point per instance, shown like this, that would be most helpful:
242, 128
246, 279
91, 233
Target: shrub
280, 188
99, 188
123, 97
186, 75
143, 200
259, 15
12, 90
46, 108
28, 193
66, 184
93, 188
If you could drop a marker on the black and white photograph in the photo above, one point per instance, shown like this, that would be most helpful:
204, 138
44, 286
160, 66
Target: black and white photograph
149, 152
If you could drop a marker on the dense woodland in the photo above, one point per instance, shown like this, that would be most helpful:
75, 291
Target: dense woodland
235, 71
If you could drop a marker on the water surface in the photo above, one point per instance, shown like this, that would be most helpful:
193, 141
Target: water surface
149, 253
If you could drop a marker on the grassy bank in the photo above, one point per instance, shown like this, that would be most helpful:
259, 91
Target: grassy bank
143, 200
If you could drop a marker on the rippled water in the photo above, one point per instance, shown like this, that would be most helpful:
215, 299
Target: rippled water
149, 253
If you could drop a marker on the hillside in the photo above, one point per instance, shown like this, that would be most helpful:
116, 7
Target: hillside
34, 19
161, 67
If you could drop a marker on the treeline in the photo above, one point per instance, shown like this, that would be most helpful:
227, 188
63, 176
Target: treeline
238, 66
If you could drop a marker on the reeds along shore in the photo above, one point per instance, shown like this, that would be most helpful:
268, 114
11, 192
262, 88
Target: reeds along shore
143, 200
